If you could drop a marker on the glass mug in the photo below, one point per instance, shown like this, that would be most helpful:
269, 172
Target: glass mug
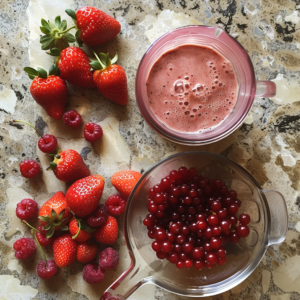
217, 39
268, 226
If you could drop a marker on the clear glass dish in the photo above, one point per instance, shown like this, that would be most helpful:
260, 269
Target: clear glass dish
217, 39
269, 223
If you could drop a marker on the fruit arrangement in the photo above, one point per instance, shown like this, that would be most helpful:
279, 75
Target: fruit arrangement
74, 225
191, 218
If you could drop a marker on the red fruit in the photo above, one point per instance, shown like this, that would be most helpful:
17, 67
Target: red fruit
98, 217
26, 209
115, 205
124, 181
243, 230
55, 213
49, 91
86, 252
46, 272
84, 234
64, 250
42, 237
92, 273
109, 259
84, 195
72, 118
24, 247
92, 132
29, 168
68, 165
108, 233
95, 26
244, 219
110, 79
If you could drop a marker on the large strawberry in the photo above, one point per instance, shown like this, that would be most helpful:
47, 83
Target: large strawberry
94, 26
108, 233
64, 250
73, 64
68, 165
49, 91
124, 181
80, 230
110, 78
84, 195
55, 214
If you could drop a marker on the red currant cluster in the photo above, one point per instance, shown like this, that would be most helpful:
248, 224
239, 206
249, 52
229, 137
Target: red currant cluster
192, 217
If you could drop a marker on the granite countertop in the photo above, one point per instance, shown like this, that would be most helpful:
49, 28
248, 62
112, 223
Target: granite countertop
267, 144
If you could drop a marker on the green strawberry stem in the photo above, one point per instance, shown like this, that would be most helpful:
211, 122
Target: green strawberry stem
53, 164
79, 228
62, 32
38, 132
34, 229
103, 62
43, 253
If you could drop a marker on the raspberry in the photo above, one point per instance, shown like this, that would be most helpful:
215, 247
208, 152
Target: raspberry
92, 273
29, 168
42, 238
92, 132
47, 143
98, 217
115, 205
46, 272
24, 247
72, 118
26, 209
109, 259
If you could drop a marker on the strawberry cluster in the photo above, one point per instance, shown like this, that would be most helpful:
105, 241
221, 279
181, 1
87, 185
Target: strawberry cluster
74, 224
191, 218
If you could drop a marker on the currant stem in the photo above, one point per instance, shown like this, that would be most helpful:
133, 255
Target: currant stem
38, 132
43, 253
61, 32
79, 228
34, 229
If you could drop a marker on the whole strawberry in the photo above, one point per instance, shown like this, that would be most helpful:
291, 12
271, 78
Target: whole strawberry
64, 250
108, 233
55, 214
49, 91
110, 78
79, 230
68, 165
84, 195
124, 181
86, 252
73, 64
94, 26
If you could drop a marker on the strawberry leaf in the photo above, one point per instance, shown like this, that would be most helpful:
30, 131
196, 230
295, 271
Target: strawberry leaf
78, 39
45, 38
54, 52
50, 232
53, 214
115, 58
31, 76
47, 227
70, 38
45, 24
45, 219
44, 30
42, 73
31, 71
61, 214
54, 70
63, 25
71, 13
64, 228
96, 65
57, 21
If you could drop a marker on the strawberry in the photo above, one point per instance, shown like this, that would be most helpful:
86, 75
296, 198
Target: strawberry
64, 250
68, 165
84, 195
86, 252
80, 231
110, 78
124, 181
49, 91
55, 214
108, 233
73, 64
94, 26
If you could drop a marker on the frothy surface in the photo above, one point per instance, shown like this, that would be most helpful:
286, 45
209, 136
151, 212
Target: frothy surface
191, 88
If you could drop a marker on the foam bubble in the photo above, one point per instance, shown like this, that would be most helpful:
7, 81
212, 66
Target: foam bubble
186, 103
178, 86
192, 116
187, 112
186, 77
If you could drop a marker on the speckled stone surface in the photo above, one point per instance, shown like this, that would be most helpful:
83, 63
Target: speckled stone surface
267, 145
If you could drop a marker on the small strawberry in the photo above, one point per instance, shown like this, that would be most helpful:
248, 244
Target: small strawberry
108, 233
124, 181
94, 26
68, 165
110, 78
86, 252
80, 231
55, 214
84, 195
64, 250
49, 91
73, 64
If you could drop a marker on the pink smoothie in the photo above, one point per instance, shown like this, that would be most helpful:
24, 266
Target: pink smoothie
192, 88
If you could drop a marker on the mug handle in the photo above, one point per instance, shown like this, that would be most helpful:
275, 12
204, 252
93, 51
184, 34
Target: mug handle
265, 89
278, 217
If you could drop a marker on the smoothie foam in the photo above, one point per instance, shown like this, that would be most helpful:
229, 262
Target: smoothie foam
192, 88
